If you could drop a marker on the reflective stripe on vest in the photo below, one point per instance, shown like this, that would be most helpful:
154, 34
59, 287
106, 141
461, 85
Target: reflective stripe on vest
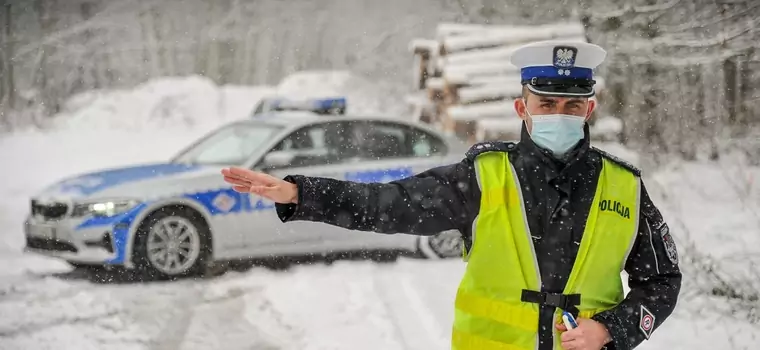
502, 261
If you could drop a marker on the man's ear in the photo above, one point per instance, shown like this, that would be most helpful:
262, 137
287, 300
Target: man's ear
591, 107
520, 108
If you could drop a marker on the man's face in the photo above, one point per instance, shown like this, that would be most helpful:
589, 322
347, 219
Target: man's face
540, 105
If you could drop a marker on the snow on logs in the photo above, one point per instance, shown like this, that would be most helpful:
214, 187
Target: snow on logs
467, 75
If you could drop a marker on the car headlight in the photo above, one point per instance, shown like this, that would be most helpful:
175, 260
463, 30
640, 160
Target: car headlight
104, 208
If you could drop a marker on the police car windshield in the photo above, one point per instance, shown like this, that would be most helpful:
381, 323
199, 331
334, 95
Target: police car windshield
231, 145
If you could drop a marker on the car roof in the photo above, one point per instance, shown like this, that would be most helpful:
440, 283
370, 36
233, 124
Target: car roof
298, 118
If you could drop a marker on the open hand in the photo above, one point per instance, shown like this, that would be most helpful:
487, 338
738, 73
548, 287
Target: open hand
267, 186
589, 335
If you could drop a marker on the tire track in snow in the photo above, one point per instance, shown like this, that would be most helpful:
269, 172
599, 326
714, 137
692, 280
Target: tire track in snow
41, 303
30, 328
175, 328
418, 328
219, 314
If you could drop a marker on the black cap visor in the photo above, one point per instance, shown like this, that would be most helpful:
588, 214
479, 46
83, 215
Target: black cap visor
565, 87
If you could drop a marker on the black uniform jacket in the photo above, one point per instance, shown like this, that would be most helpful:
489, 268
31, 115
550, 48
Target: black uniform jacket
557, 197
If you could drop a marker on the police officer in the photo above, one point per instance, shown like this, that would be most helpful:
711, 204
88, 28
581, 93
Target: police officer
548, 223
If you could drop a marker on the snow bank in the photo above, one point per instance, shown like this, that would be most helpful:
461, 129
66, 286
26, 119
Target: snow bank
162, 103
196, 102
315, 83
363, 96
714, 212
608, 128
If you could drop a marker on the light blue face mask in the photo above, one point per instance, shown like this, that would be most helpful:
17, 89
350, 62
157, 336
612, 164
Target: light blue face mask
557, 133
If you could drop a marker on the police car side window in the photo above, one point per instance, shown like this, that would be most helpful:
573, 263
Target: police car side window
385, 140
314, 145
425, 145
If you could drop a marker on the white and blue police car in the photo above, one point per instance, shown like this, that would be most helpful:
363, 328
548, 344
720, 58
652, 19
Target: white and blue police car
176, 218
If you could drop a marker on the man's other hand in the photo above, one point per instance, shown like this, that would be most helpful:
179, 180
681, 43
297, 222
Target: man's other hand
267, 186
589, 335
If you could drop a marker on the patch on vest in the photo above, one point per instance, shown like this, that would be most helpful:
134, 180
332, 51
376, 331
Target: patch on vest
616, 207
646, 322
670, 245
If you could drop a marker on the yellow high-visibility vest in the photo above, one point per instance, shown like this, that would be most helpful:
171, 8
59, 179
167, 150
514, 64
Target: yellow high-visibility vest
501, 263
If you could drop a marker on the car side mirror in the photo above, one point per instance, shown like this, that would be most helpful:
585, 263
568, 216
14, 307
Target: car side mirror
278, 159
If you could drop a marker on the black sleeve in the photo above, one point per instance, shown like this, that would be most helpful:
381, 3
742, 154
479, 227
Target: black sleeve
439, 199
654, 280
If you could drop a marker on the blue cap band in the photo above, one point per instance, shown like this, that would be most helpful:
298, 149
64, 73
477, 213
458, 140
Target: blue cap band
528, 73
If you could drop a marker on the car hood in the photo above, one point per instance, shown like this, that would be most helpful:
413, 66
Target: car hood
139, 181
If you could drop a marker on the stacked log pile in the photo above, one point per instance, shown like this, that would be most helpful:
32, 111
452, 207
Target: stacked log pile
465, 82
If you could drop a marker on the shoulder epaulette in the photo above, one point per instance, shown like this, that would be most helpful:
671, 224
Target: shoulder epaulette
489, 146
618, 161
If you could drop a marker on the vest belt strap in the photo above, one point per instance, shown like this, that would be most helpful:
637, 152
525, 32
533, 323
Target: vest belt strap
567, 302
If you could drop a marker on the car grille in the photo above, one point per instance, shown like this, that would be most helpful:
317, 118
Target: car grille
50, 244
49, 211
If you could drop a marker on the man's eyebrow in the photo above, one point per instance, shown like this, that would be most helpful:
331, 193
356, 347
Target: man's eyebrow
575, 100
545, 100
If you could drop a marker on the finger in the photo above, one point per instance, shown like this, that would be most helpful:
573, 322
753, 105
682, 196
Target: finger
561, 327
263, 190
257, 189
250, 175
236, 179
571, 345
237, 182
229, 175
241, 189
226, 172
570, 335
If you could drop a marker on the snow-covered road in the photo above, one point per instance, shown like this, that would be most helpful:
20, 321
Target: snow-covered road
347, 305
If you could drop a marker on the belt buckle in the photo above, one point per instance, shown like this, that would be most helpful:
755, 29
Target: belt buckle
554, 299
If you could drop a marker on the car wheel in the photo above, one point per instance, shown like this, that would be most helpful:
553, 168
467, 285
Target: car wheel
447, 244
172, 243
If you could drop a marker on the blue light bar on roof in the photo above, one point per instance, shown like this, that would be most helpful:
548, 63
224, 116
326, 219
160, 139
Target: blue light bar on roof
332, 105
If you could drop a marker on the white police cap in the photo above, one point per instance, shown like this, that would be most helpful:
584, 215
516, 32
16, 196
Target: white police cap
559, 68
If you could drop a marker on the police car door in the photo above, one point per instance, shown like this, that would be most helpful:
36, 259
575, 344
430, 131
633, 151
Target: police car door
317, 149
390, 151
385, 151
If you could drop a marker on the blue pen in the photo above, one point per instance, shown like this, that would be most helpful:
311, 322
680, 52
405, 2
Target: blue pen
569, 320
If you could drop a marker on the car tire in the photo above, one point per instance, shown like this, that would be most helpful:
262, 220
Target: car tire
443, 245
172, 242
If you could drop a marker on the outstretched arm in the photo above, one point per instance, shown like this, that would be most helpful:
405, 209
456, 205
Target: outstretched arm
654, 280
436, 200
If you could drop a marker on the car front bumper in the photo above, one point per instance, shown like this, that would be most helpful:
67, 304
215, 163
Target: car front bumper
66, 239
